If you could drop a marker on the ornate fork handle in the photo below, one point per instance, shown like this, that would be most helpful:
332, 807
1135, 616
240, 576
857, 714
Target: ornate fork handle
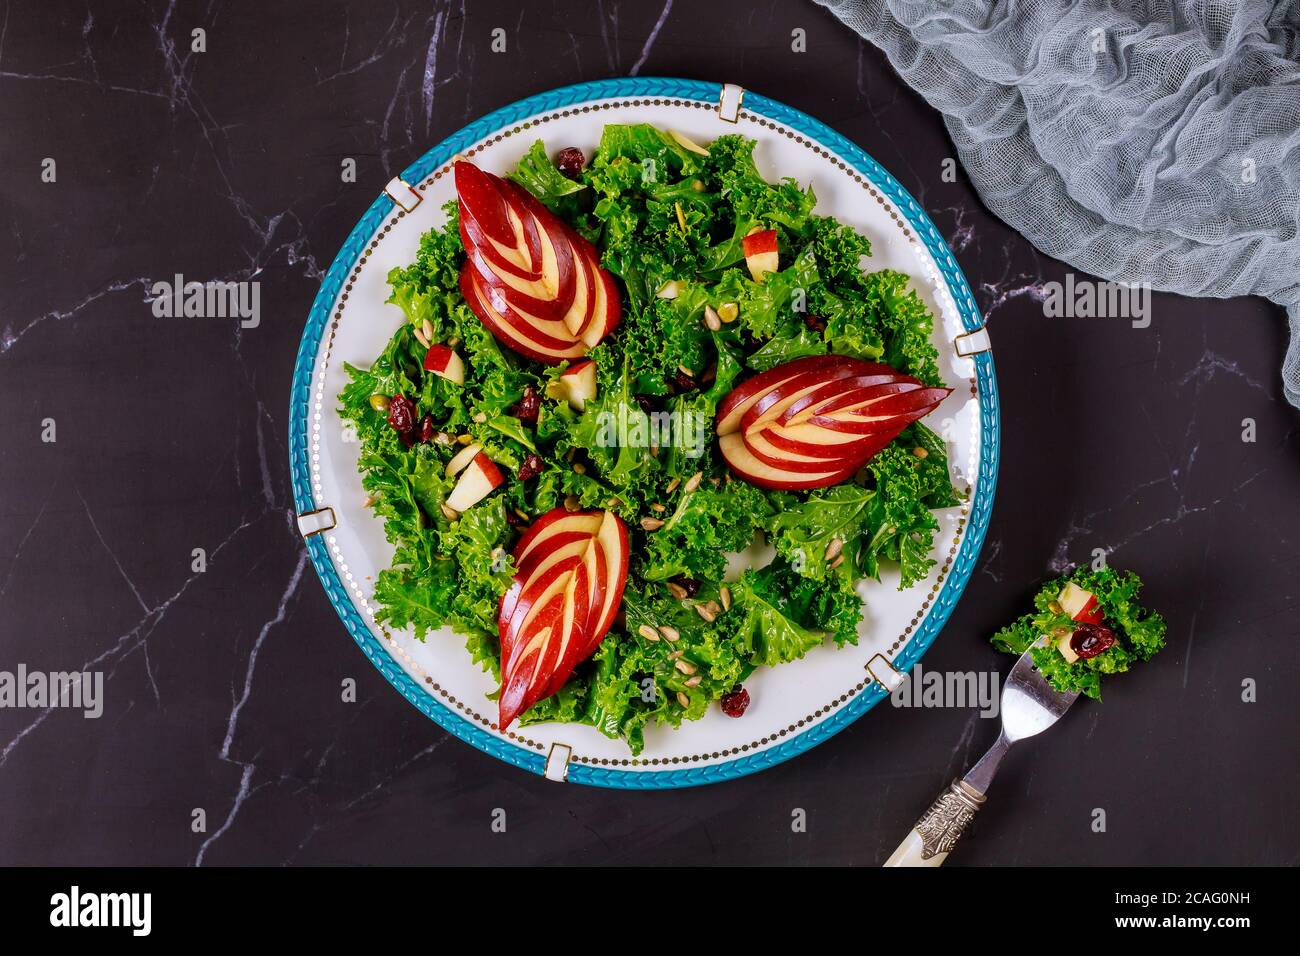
940, 827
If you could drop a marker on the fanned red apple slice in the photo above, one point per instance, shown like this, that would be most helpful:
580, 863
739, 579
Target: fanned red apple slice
570, 570
530, 278
816, 421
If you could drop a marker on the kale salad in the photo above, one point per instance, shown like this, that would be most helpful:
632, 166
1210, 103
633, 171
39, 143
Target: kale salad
1093, 625
546, 437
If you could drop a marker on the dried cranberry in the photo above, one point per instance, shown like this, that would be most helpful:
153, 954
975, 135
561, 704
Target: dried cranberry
735, 702
401, 414
689, 585
513, 519
681, 382
646, 402
1089, 640
426, 429
530, 468
815, 323
569, 161
528, 406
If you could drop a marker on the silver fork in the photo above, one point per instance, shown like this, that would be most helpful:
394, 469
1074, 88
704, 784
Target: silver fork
1029, 706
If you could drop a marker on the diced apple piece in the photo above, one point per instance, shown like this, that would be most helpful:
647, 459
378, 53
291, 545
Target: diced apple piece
688, 144
1063, 645
760, 252
576, 384
670, 290
443, 360
461, 459
476, 482
1080, 604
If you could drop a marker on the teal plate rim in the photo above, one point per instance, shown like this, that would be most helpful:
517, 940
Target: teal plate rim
984, 486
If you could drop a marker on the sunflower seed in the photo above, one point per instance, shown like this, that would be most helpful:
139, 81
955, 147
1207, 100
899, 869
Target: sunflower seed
706, 612
834, 548
652, 524
579, 468
711, 320
427, 329
683, 699
670, 632
686, 667
672, 485
442, 438
685, 371
480, 417
648, 632
658, 508
693, 482
370, 501
449, 513
920, 452
675, 654
836, 563
677, 591
725, 594
694, 681
420, 337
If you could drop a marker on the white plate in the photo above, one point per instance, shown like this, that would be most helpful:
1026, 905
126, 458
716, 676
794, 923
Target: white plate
794, 706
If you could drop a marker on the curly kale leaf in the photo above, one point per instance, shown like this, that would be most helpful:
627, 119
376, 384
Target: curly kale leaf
539, 176
703, 526
1139, 633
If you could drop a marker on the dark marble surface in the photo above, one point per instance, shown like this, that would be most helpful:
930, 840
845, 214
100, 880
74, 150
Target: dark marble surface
222, 687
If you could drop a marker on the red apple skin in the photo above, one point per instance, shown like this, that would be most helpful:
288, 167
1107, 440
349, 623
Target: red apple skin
617, 567
861, 402
519, 682
490, 266
483, 199
596, 603
842, 391
484, 466
816, 421
544, 333
1091, 612
439, 358
757, 243
517, 317
804, 469
903, 409
550, 310
832, 366
564, 243
749, 468
505, 334
473, 236
855, 447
